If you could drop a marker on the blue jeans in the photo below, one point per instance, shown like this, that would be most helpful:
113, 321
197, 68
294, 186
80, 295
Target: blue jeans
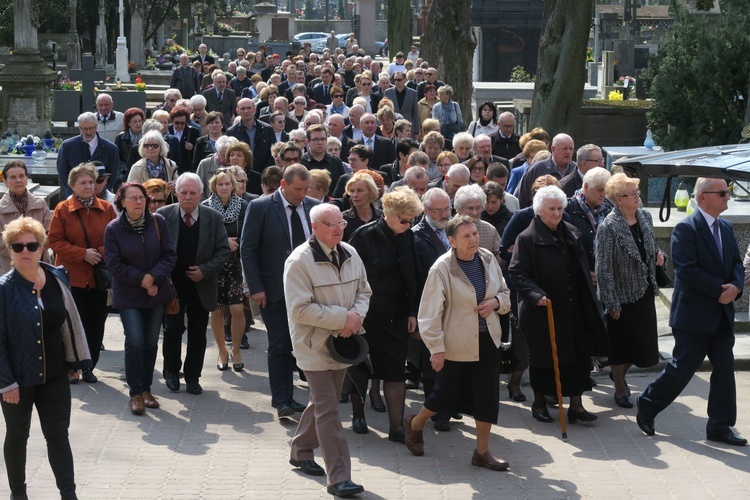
141, 346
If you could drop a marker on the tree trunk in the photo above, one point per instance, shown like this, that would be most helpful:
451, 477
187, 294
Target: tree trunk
560, 74
399, 27
448, 45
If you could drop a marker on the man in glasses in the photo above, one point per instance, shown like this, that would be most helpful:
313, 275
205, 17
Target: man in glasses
709, 277
100, 187
327, 296
86, 147
404, 100
430, 78
317, 157
588, 157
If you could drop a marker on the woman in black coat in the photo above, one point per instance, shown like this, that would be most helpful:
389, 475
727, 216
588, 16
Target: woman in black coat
549, 263
386, 247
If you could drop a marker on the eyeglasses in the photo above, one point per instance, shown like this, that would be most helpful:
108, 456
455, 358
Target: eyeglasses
478, 169
151, 146
634, 194
398, 79
155, 201
171, 100
180, 123
444, 165
138, 199
366, 84
599, 161
722, 194
243, 181
406, 222
102, 180
439, 211
31, 246
338, 96
290, 160
333, 225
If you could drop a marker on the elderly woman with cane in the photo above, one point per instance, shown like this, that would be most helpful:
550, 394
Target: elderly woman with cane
549, 262
459, 324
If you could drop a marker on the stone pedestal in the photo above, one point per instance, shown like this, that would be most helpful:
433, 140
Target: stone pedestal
121, 59
25, 99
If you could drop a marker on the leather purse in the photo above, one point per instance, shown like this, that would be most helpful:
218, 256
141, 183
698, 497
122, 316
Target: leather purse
102, 276
173, 306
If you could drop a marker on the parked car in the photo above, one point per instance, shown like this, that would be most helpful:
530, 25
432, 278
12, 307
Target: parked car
320, 45
312, 37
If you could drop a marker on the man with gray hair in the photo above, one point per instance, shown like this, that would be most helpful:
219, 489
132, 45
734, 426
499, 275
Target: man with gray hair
185, 78
202, 247
558, 165
587, 157
171, 96
505, 143
458, 176
109, 120
86, 147
415, 178
327, 296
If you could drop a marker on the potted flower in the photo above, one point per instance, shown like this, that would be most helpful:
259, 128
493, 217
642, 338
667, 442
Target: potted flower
627, 83
224, 29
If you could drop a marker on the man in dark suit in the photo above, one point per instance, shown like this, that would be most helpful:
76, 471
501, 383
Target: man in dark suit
281, 105
185, 78
709, 277
258, 135
186, 135
322, 91
202, 248
203, 55
274, 226
88, 146
483, 148
404, 100
430, 242
558, 165
382, 148
588, 157
430, 79
317, 157
220, 98
336, 128
504, 141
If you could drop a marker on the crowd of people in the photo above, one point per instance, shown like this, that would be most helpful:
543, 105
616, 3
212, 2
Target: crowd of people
385, 243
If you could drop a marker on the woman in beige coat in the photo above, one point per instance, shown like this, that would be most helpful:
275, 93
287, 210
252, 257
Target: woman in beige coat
459, 324
154, 163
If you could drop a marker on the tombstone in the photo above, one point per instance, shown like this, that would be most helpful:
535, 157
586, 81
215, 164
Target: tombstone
511, 30
593, 73
73, 49
625, 57
101, 38
88, 75
137, 54
26, 80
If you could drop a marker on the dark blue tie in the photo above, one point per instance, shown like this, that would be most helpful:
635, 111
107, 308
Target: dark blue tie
717, 238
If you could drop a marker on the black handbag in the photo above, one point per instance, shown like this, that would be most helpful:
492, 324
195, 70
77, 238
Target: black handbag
102, 276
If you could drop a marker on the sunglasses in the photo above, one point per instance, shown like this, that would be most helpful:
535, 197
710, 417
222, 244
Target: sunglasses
151, 146
406, 222
722, 194
101, 180
18, 247
157, 202
398, 79
338, 95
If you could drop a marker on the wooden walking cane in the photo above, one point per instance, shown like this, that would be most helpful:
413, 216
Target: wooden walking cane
555, 364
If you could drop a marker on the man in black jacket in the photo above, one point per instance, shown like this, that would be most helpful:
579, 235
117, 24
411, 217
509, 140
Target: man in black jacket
316, 156
258, 135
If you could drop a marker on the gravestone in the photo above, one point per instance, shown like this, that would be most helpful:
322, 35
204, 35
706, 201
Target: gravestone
88, 75
511, 30
26, 79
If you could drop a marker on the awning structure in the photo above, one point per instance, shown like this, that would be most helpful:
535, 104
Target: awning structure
730, 162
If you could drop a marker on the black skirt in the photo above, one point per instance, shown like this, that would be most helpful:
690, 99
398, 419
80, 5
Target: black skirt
634, 335
388, 342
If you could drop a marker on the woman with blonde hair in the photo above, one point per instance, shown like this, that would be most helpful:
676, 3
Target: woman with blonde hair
154, 163
223, 199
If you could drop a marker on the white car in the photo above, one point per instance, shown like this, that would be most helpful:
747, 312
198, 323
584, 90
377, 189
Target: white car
312, 36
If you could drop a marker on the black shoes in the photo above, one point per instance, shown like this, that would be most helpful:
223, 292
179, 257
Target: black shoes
345, 489
298, 407
397, 436
645, 424
222, 367
309, 467
583, 416
244, 344
624, 401
412, 384
344, 398
518, 398
728, 437
238, 367
193, 387
285, 410
89, 377
172, 382
359, 425
442, 425
541, 414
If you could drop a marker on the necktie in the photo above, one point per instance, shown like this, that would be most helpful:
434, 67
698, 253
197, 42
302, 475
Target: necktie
188, 220
717, 238
335, 259
104, 120
298, 233
369, 143
221, 94
443, 238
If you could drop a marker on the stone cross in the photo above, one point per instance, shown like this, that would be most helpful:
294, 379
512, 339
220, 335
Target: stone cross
88, 75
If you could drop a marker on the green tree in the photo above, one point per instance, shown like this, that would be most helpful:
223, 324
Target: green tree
399, 26
560, 73
701, 82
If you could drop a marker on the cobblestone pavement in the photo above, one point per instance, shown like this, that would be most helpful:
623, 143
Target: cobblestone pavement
228, 444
